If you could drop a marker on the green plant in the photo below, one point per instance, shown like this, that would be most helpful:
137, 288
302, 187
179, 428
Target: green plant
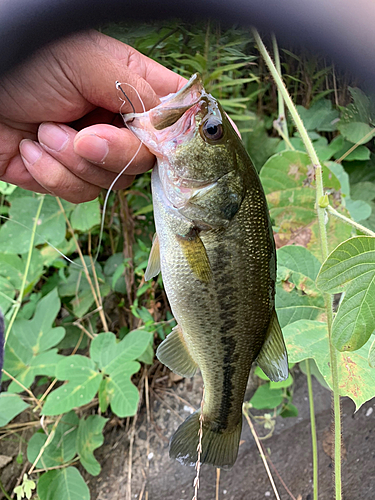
77, 330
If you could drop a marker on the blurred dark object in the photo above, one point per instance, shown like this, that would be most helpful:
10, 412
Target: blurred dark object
341, 29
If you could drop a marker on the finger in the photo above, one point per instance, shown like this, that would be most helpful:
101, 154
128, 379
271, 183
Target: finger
58, 141
53, 176
114, 148
162, 80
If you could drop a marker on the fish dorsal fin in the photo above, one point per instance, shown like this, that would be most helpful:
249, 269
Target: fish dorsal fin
153, 266
174, 354
273, 358
196, 255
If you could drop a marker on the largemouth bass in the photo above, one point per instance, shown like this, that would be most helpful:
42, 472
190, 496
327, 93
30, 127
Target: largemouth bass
215, 249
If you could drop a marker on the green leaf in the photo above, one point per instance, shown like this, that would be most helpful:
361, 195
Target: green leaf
288, 180
61, 449
37, 334
265, 397
106, 351
76, 285
351, 267
67, 484
314, 370
356, 132
359, 210
15, 238
86, 215
309, 339
84, 381
124, 396
115, 359
296, 294
320, 116
89, 438
27, 352
10, 406
289, 410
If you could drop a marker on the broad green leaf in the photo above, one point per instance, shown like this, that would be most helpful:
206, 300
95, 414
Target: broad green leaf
61, 449
359, 210
27, 352
320, 116
83, 384
288, 180
7, 294
86, 215
296, 294
77, 286
314, 370
37, 334
10, 406
265, 397
42, 364
89, 438
371, 355
67, 484
309, 339
107, 352
123, 395
351, 267
289, 411
16, 233
356, 132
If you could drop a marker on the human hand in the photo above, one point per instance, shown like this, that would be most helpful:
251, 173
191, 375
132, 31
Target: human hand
73, 82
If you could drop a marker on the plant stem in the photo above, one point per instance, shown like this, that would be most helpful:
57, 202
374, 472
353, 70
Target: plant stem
324, 247
27, 266
2, 489
281, 120
351, 222
313, 431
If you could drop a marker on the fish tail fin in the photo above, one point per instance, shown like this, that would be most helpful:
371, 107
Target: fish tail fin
218, 448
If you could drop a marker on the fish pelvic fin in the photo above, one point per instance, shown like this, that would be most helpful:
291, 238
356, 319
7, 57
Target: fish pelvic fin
196, 255
219, 448
173, 352
273, 358
153, 266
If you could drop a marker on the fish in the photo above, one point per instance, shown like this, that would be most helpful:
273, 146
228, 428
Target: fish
215, 249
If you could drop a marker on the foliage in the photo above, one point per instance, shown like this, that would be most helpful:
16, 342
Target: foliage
60, 347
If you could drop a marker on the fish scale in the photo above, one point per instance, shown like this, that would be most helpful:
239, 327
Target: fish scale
216, 253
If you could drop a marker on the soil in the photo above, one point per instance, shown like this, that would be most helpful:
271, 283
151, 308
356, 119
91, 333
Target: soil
154, 476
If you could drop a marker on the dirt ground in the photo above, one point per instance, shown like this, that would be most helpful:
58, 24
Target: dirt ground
156, 477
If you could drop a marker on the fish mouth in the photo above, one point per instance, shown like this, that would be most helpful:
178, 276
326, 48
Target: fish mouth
173, 106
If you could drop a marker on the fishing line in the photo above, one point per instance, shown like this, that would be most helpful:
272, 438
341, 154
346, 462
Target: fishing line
118, 87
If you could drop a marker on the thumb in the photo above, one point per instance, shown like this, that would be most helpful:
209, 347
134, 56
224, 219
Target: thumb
94, 71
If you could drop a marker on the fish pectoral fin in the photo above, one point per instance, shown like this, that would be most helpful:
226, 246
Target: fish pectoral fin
174, 354
196, 255
153, 266
273, 358
218, 448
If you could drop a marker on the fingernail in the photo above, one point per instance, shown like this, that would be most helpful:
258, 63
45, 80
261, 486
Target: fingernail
30, 151
92, 147
52, 136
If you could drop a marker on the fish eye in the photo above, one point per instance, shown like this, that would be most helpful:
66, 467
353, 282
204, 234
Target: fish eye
212, 130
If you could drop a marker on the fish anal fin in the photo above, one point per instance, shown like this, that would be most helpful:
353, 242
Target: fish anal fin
174, 353
153, 266
218, 448
273, 358
196, 255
